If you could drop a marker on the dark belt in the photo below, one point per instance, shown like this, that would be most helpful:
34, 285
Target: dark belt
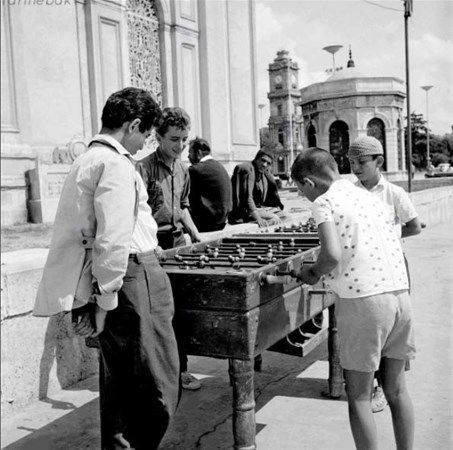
148, 257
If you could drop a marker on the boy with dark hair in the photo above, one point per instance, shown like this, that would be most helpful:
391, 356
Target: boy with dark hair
102, 266
210, 188
255, 192
362, 262
168, 184
366, 157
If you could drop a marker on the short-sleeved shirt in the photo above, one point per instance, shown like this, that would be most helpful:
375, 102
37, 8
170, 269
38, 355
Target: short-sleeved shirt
396, 200
168, 189
372, 260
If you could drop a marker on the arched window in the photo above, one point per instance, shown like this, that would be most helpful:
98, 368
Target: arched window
376, 128
339, 145
311, 136
280, 164
281, 136
399, 140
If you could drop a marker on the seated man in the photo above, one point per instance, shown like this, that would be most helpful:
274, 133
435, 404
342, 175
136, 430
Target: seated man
255, 193
210, 188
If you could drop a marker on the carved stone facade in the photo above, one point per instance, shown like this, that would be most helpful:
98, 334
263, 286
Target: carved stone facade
144, 47
350, 104
199, 55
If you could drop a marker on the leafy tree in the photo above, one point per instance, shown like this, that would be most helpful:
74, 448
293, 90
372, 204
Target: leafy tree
266, 138
440, 148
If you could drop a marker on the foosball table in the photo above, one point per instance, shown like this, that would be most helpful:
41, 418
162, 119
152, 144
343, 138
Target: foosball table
235, 298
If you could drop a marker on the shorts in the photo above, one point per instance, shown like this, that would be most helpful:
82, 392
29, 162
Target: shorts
374, 327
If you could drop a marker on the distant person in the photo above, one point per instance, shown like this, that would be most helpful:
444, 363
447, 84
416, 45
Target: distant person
168, 184
210, 188
362, 261
255, 192
366, 157
102, 265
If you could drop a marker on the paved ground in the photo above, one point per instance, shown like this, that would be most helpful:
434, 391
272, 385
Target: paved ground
291, 413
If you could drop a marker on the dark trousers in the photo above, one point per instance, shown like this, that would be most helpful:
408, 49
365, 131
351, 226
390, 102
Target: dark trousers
139, 369
172, 239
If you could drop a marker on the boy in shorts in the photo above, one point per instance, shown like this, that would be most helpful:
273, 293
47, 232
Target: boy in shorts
366, 157
362, 262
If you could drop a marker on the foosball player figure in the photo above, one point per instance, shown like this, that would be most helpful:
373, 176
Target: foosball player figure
363, 263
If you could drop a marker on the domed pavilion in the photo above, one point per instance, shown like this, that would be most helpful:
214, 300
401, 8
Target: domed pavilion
350, 104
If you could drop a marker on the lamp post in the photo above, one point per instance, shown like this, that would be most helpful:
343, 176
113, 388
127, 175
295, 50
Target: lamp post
332, 49
426, 89
407, 14
290, 113
261, 106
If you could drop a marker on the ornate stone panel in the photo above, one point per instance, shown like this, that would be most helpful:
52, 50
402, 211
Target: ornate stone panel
144, 48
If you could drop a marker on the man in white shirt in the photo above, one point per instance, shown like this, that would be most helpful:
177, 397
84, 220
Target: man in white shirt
102, 266
362, 262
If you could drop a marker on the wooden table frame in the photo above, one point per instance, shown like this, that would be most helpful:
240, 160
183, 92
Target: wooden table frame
242, 378
243, 317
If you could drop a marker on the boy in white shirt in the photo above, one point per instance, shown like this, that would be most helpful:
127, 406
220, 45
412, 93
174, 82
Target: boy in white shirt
362, 261
366, 157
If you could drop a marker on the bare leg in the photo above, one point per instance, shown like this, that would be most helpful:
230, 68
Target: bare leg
358, 390
394, 385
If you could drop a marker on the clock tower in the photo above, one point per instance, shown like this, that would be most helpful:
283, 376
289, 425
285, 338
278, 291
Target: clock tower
285, 121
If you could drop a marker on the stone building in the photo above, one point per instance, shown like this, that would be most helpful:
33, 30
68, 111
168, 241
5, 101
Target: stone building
62, 58
350, 104
285, 112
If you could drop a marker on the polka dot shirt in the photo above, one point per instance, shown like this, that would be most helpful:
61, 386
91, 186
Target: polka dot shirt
371, 256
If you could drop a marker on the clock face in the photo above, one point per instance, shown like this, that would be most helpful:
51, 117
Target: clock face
278, 79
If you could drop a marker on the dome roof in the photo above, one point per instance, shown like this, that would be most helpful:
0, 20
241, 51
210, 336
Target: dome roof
349, 82
349, 72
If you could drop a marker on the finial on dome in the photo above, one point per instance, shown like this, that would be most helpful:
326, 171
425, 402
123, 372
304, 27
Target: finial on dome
351, 61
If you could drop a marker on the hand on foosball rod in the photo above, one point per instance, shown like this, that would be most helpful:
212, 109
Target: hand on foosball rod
306, 275
261, 223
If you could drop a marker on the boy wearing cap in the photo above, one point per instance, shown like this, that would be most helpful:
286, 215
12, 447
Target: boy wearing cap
366, 157
363, 263
255, 192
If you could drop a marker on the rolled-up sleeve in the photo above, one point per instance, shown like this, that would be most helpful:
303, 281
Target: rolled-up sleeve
114, 203
185, 203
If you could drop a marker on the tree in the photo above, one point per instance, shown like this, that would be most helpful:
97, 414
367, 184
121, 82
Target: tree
266, 141
438, 145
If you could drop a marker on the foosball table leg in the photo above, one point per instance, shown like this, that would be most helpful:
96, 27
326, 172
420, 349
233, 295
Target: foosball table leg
335, 370
244, 428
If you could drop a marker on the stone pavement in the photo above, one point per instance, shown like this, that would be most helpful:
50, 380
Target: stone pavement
291, 413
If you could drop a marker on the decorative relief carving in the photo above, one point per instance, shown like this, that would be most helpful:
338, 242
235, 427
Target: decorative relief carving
144, 52
67, 154
55, 184
144, 49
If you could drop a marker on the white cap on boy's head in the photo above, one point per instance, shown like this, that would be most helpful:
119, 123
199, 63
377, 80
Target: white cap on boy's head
365, 146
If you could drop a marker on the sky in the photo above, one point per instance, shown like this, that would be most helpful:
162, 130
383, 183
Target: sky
376, 36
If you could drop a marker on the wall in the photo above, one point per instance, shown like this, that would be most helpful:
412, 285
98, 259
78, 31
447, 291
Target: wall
60, 62
40, 91
39, 355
